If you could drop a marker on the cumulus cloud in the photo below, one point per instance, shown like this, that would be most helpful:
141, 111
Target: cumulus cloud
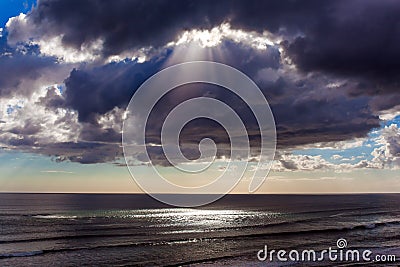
390, 114
29, 125
25, 121
388, 153
20, 30
297, 162
336, 157
289, 161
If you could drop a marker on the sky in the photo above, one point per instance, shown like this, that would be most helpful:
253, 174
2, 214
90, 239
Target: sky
329, 70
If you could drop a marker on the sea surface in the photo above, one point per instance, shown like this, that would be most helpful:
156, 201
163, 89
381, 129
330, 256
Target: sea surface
129, 230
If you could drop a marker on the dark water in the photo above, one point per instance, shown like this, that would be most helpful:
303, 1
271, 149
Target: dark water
126, 230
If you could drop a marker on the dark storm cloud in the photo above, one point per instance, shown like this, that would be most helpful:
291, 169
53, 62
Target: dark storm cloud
345, 37
26, 141
289, 164
93, 132
98, 90
337, 119
354, 38
123, 24
294, 101
82, 152
134, 24
306, 110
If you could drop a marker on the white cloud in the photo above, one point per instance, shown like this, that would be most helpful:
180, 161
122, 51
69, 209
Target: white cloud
213, 37
389, 114
387, 155
334, 85
19, 30
140, 55
53, 46
336, 157
339, 145
293, 162
34, 124
112, 119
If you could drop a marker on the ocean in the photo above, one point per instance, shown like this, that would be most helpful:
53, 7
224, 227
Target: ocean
135, 230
